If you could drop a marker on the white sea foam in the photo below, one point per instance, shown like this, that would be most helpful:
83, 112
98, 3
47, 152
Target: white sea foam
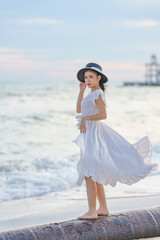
37, 126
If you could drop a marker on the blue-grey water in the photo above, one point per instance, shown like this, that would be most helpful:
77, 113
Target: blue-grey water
38, 125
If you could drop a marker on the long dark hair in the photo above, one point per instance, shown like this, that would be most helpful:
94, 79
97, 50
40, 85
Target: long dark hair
101, 84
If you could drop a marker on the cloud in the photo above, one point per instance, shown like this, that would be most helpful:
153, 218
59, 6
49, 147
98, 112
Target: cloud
32, 21
19, 65
122, 71
141, 2
142, 23
122, 66
9, 50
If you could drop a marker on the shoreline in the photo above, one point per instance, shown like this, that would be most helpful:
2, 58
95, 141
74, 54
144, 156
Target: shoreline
46, 209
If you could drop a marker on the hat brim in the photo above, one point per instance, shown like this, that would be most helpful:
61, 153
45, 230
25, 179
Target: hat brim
80, 74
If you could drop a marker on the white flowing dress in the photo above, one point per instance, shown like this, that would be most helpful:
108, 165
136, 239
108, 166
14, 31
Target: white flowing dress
105, 155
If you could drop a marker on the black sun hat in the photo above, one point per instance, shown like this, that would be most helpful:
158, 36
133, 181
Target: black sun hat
91, 66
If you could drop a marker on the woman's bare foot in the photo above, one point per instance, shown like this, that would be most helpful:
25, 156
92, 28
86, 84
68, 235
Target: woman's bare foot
102, 211
88, 215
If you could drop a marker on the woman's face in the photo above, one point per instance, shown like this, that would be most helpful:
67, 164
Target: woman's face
91, 79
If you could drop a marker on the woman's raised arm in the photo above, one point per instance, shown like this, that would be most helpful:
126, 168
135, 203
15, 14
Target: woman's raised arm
82, 87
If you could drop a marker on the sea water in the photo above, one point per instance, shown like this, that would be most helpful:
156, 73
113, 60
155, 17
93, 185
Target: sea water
37, 128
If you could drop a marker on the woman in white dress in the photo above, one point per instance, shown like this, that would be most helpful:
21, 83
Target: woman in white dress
105, 156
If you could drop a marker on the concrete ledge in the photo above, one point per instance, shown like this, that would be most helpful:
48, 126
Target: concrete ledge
133, 224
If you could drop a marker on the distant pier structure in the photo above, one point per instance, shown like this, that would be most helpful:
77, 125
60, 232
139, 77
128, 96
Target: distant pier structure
152, 74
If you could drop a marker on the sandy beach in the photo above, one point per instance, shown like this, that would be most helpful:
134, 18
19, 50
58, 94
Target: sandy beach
50, 209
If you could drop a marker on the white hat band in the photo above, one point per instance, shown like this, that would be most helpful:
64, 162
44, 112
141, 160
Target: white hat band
97, 69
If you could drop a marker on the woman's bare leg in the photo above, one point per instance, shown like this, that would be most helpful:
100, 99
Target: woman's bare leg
103, 209
91, 194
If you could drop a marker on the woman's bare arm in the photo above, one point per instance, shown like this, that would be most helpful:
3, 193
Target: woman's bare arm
95, 117
79, 99
82, 87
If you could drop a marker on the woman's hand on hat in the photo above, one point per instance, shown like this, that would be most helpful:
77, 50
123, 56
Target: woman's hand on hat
83, 125
82, 86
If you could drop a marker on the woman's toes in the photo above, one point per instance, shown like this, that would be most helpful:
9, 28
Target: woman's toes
88, 216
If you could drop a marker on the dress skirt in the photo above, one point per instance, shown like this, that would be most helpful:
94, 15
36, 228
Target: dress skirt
109, 158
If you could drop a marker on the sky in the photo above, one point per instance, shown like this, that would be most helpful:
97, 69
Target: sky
51, 40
